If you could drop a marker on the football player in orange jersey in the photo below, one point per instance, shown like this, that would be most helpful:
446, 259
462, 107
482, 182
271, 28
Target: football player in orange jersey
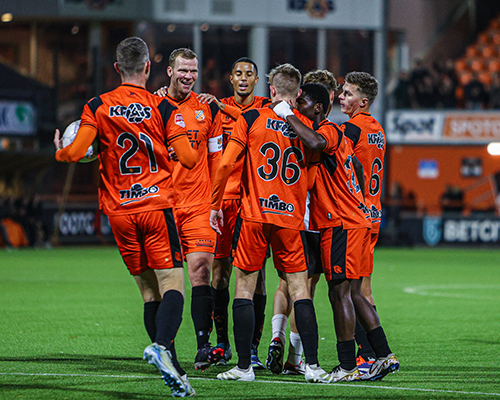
133, 127
339, 213
244, 76
192, 191
281, 305
368, 142
275, 180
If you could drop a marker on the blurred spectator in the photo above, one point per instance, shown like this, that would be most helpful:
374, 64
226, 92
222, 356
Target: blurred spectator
425, 92
452, 200
494, 94
402, 91
474, 94
447, 92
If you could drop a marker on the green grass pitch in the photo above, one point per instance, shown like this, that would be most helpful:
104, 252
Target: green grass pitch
71, 328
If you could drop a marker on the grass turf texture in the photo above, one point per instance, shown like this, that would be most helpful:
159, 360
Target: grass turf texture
71, 328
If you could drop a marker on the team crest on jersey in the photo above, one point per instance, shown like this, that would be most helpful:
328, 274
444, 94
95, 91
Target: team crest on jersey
134, 112
199, 115
273, 205
178, 120
281, 126
376, 139
137, 193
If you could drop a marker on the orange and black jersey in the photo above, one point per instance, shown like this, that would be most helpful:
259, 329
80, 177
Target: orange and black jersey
229, 116
336, 197
275, 174
369, 144
134, 129
204, 128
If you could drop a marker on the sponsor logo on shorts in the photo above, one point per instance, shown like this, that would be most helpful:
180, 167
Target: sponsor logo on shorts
337, 269
135, 113
204, 243
177, 256
138, 193
273, 205
281, 126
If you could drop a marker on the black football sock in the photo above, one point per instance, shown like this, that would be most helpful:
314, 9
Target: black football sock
169, 317
202, 307
305, 319
175, 361
244, 325
150, 310
221, 302
346, 352
378, 341
364, 348
259, 304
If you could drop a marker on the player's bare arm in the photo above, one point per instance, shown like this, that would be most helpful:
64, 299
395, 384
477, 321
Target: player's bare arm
306, 135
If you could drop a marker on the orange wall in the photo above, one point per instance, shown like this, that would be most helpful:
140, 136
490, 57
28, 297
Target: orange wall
402, 165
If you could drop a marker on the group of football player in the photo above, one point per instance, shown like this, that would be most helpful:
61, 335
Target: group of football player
226, 184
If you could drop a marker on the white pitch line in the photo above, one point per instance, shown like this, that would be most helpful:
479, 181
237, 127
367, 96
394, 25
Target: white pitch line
352, 385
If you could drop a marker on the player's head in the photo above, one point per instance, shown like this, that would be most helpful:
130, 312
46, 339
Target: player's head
132, 57
322, 77
325, 78
358, 92
313, 101
284, 81
244, 76
183, 71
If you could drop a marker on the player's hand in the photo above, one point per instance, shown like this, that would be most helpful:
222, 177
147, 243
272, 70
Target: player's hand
172, 154
216, 220
282, 109
162, 92
207, 98
58, 140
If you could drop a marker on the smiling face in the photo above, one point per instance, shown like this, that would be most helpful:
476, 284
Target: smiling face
182, 77
244, 78
351, 100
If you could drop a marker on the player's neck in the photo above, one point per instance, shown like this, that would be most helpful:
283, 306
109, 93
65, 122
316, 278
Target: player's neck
175, 94
137, 81
243, 100
358, 111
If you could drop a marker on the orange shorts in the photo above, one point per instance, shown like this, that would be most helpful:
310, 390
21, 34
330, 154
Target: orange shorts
373, 242
287, 247
230, 209
195, 233
147, 240
345, 252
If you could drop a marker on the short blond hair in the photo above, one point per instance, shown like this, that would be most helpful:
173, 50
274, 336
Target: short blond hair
322, 77
286, 79
183, 52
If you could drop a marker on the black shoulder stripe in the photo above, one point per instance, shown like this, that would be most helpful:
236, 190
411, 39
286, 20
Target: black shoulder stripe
251, 116
94, 104
265, 102
214, 108
166, 109
352, 131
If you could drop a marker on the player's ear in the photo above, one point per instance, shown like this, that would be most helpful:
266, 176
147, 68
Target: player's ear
256, 79
317, 108
363, 102
117, 68
272, 90
298, 94
169, 71
147, 67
